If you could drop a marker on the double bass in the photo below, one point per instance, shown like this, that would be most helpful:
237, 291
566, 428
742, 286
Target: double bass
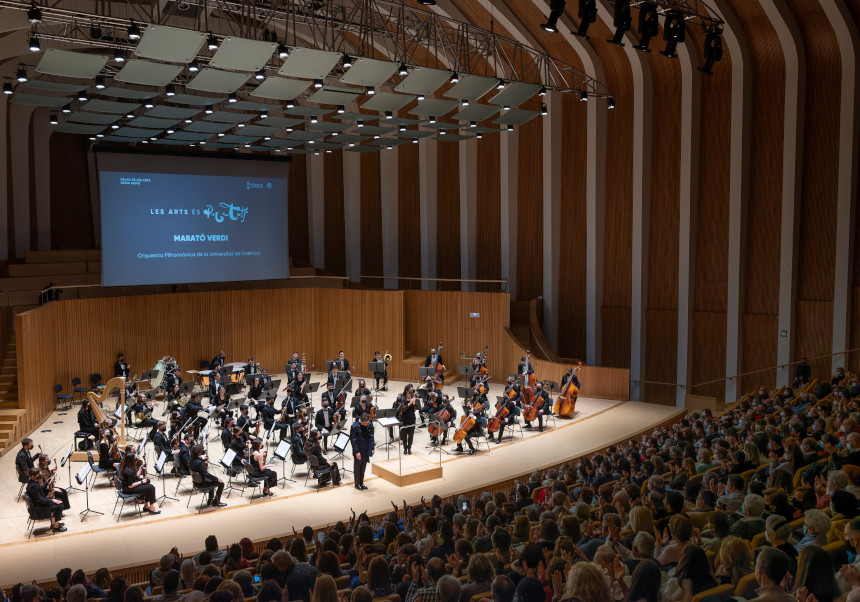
439, 369
529, 381
565, 403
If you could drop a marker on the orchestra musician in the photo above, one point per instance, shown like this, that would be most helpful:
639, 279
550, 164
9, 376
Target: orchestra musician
218, 360
266, 379
121, 367
377, 358
299, 387
290, 409
294, 366
361, 436
255, 391
183, 454
238, 443
192, 409
47, 476
24, 461
215, 384
568, 375
452, 414
333, 375
513, 386
362, 407
328, 395
221, 401
432, 357
433, 406
261, 469
227, 433
108, 450
363, 390
86, 420
297, 443
175, 423
134, 480
160, 441
406, 415
479, 396
476, 366
545, 408
342, 363
174, 379
199, 462
251, 367
312, 450
324, 421
173, 397
270, 417
244, 420
44, 506
143, 406
524, 367
477, 429
511, 417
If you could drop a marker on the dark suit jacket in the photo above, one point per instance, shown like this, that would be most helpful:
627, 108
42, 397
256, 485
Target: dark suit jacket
24, 462
362, 439
199, 466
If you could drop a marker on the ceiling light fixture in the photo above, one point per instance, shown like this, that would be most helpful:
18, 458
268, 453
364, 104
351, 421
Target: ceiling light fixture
133, 31
370, 90
454, 78
118, 55
347, 61
100, 82
169, 89
340, 110
22, 74
82, 95
194, 66
403, 70
53, 120
264, 114
7, 88
260, 75
542, 91
283, 51
211, 42
34, 14
318, 83
231, 98
500, 85
67, 108
34, 45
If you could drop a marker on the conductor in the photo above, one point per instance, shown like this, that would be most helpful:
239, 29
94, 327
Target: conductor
361, 436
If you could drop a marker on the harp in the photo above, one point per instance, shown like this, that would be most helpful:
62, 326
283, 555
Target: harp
95, 405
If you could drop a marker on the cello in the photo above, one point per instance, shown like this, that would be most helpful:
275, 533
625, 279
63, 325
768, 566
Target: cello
465, 426
439, 369
565, 403
501, 413
443, 415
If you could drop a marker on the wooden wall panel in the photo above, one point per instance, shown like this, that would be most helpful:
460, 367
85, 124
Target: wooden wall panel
488, 263
72, 221
759, 351
335, 227
813, 327
297, 205
530, 211
708, 353
38, 353
448, 214
572, 264
852, 363
371, 218
661, 313
408, 215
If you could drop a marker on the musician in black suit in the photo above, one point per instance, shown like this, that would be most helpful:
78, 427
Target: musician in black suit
432, 359
383, 375
142, 406
255, 391
198, 465
513, 386
452, 415
86, 420
270, 417
251, 367
244, 419
362, 407
174, 379
218, 360
25, 461
121, 367
266, 379
361, 436
297, 443
192, 409
160, 441
134, 480
524, 367
183, 454
477, 429
215, 384
312, 449
227, 433
476, 367
545, 407
508, 419
406, 415
324, 421
43, 506
238, 443
333, 375
299, 388
570, 374
342, 363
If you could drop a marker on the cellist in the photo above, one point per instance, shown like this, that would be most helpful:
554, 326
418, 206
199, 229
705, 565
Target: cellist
477, 429
476, 366
513, 386
513, 411
545, 407
452, 414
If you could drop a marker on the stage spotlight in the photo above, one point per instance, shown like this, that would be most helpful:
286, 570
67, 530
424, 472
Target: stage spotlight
464, 103
543, 110
260, 75
95, 32
506, 108
622, 20
231, 98
347, 61
211, 42
53, 119
34, 45
283, 51
189, 120
318, 83
114, 126
415, 141
194, 66
359, 124
82, 95
264, 114
291, 104
314, 119
208, 110
479, 135
370, 90
542, 91
473, 124
388, 115
118, 55
22, 74
432, 119
149, 104
673, 32
556, 9
587, 16
169, 89
240, 124
583, 96
610, 103
402, 128
340, 109
420, 97
7, 88
170, 130
100, 82
403, 70
133, 31
67, 108
713, 50
34, 14
427, 2
510, 127
454, 78
500, 85
221, 134
648, 25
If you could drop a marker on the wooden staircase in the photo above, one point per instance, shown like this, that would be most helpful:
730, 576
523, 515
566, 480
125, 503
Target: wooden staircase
11, 416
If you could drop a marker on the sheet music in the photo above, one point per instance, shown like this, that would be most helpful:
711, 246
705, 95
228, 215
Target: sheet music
228, 458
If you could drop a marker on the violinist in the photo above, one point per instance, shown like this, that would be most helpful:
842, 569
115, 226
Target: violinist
192, 409
363, 390
342, 363
432, 406
324, 421
24, 461
199, 462
477, 429
227, 433
49, 484
121, 367
540, 394
260, 469
328, 395
255, 392
312, 449
175, 424
290, 408
244, 420
452, 414
509, 419
161, 442
238, 443
431, 392
86, 420
134, 480
299, 388
378, 359
183, 454
108, 450
44, 506
406, 415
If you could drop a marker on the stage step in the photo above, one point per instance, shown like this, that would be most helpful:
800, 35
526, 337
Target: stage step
9, 405
69, 256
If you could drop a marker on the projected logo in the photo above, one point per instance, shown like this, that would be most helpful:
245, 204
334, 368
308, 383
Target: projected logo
230, 211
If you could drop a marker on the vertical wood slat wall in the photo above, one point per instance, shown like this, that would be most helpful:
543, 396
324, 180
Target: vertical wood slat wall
67, 339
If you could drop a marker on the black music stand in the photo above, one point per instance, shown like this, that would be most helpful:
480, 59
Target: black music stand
433, 418
312, 388
67, 460
465, 392
339, 445
375, 367
187, 388
425, 372
467, 370
387, 419
282, 452
226, 463
81, 478
159, 468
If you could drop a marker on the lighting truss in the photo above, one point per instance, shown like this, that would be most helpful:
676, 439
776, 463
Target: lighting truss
695, 12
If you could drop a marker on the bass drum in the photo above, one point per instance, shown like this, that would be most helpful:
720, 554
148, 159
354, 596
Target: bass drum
160, 367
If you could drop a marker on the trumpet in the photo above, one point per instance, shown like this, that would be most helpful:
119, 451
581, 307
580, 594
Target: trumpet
387, 357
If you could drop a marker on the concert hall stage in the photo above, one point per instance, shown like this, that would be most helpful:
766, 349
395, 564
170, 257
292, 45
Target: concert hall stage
99, 541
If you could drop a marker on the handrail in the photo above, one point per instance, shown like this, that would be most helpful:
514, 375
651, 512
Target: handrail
503, 281
728, 378
297, 277
536, 334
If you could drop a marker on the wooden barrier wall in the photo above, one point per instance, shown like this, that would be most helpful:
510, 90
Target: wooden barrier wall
75, 338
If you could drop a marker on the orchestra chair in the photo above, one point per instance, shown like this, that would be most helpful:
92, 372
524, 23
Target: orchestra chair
78, 389
251, 481
96, 382
126, 499
64, 400
33, 515
297, 461
97, 470
179, 474
22, 478
83, 436
317, 471
197, 486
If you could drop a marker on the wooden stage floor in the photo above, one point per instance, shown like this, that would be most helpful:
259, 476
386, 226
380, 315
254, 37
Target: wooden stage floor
100, 541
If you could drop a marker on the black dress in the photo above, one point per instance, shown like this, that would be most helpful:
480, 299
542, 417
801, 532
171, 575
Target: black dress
145, 492
270, 475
